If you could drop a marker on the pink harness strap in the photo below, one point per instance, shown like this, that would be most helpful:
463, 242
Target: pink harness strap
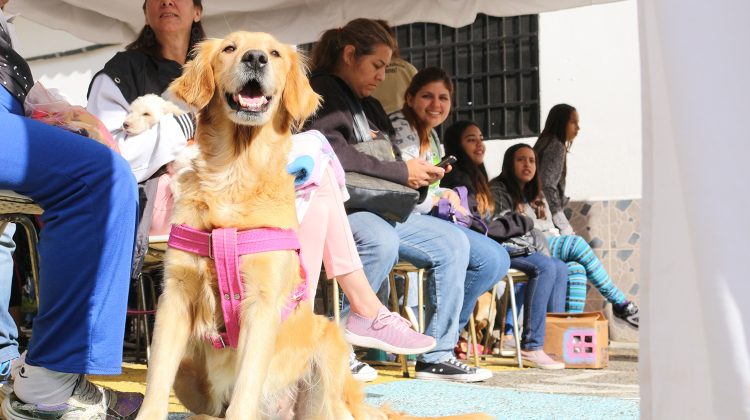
224, 246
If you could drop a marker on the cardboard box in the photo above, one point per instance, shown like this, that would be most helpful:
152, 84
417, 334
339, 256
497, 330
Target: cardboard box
578, 340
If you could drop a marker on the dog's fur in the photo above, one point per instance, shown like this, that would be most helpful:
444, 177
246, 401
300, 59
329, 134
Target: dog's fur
239, 180
145, 111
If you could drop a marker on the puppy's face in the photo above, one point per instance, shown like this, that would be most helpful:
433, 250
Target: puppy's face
143, 114
253, 76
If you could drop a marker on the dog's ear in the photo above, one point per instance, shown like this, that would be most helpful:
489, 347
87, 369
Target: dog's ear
196, 85
299, 99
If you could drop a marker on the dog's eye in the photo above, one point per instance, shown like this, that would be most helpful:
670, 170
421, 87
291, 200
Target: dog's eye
146, 114
229, 49
275, 53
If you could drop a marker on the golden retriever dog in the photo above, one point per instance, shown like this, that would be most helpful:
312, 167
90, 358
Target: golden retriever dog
250, 89
145, 111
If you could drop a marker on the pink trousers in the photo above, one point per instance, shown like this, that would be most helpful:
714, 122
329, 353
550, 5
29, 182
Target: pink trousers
325, 234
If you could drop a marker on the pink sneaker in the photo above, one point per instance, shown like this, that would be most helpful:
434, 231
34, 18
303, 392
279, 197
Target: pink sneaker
540, 359
388, 331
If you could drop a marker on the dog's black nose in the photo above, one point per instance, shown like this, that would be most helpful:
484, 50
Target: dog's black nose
255, 58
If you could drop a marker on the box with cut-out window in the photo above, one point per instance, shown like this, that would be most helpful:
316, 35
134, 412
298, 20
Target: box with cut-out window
578, 340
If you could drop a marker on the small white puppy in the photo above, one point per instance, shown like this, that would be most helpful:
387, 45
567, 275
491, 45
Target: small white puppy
146, 111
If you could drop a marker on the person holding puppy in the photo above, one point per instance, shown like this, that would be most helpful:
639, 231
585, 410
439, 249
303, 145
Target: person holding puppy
90, 209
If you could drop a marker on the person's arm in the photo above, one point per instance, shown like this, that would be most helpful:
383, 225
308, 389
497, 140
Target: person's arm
145, 152
335, 121
550, 169
550, 172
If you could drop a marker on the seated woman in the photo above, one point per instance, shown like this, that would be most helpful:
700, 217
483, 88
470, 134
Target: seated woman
348, 63
547, 276
427, 103
148, 65
519, 188
551, 149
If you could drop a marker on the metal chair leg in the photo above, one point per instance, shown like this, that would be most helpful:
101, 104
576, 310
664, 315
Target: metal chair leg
473, 340
490, 318
395, 308
336, 302
516, 334
146, 327
33, 243
420, 299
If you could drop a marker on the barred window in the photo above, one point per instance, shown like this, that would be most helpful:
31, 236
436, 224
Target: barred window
494, 63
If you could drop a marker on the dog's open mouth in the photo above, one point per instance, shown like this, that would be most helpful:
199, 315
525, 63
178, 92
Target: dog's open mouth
249, 99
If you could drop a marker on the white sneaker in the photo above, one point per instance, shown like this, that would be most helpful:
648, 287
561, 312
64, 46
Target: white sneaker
361, 370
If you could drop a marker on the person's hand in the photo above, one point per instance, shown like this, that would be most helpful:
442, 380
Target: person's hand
455, 201
422, 173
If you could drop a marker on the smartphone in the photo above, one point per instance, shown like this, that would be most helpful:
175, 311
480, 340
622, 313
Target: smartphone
448, 160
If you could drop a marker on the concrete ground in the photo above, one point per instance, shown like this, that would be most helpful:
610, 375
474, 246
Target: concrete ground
512, 393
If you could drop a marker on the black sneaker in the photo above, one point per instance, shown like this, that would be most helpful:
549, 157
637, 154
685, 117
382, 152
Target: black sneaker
628, 312
88, 401
451, 370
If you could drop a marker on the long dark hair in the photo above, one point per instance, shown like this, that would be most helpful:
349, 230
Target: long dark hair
477, 173
148, 43
421, 79
531, 192
555, 129
363, 34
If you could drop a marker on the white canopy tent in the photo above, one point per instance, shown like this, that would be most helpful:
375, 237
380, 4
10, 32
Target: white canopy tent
695, 334
292, 21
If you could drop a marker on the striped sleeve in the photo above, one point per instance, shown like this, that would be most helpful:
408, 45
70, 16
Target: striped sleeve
186, 122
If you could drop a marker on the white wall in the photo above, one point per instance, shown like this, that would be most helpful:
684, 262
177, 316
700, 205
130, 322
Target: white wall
589, 58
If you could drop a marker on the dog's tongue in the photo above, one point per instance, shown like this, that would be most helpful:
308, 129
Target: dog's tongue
254, 103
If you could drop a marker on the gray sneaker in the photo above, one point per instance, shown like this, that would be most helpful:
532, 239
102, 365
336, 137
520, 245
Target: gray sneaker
88, 402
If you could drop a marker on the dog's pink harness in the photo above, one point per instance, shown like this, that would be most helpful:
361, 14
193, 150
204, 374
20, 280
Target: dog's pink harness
224, 246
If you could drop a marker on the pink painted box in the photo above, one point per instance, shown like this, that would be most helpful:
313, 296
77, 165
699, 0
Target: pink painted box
578, 340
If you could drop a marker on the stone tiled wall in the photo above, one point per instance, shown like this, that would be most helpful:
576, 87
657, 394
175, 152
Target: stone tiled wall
612, 228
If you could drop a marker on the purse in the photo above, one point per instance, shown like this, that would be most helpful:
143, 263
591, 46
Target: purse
389, 200
533, 241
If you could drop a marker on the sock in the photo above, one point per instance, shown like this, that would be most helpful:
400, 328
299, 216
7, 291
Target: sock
38, 385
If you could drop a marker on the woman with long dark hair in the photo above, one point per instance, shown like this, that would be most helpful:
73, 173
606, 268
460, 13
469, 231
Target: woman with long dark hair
547, 276
519, 189
552, 147
427, 104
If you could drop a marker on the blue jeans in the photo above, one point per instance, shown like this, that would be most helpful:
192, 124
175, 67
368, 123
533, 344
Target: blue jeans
545, 292
445, 251
488, 263
90, 202
8, 329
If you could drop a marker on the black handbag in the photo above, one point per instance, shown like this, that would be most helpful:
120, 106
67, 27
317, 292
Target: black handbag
389, 200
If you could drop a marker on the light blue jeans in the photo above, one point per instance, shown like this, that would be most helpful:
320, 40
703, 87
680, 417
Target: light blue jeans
461, 265
8, 330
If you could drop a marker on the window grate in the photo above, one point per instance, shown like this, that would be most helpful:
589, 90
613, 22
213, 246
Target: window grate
494, 63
